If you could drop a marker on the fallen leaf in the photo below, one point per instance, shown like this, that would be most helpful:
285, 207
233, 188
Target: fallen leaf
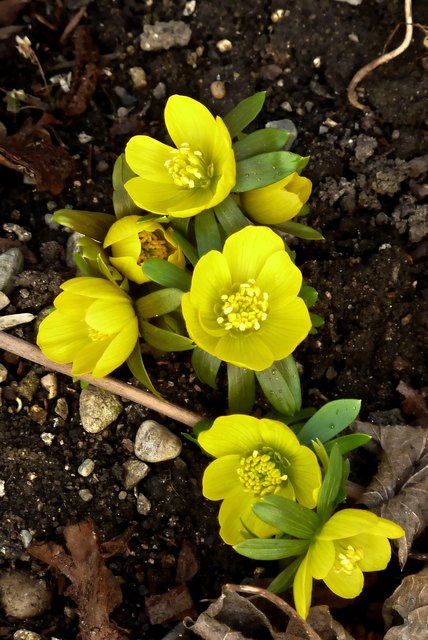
325, 625
414, 404
85, 73
399, 490
410, 602
31, 152
93, 587
187, 563
175, 604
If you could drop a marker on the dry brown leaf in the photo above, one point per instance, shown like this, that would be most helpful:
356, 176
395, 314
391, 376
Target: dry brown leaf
31, 152
85, 73
399, 490
93, 587
414, 404
410, 602
325, 625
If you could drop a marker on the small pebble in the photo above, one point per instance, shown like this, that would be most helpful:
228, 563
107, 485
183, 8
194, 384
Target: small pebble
156, 443
86, 468
11, 263
61, 408
2, 489
218, 89
122, 495
26, 537
138, 77
189, 8
98, 409
224, 45
85, 495
38, 414
286, 125
3, 373
164, 35
159, 92
50, 384
143, 505
47, 438
28, 386
24, 634
135, 470
23, 596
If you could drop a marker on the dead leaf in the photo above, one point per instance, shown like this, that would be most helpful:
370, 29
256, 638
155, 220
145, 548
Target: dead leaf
410, 602
93, 587
262, 615
399, 490
85, 73
414, 403
31, 152
175, 604
187, 563
325, 625
9, 10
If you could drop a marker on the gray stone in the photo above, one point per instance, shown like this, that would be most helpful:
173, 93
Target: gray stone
156, 443
86, 468
23, 596
143, 505
85, 495
164, 35
11, 263
286, 125
98, 409
135, 470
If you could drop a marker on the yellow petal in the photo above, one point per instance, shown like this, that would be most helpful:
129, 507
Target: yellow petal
388, 528
277, 202
279, 437
147, 156
94, 288
236, 434
198, 334
167, 198
248, 250
129, 268
376, 551
344, 585
189, 121
305, 474
280, 278
221, 478
236, 514
211, 278
248, 351
86, 359
60, 339
110, 317
285, 329
321, 557
348, 523
118, 350
302, 588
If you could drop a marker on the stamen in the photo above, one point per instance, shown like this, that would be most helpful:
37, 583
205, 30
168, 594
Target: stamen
97, 336
262, 472
153, 245
347, 560
245, 309
188, 168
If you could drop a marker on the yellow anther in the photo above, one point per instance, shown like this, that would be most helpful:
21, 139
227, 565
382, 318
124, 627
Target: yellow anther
188, 168
347, 560
262, 472
97, 336
153, 245
244, 309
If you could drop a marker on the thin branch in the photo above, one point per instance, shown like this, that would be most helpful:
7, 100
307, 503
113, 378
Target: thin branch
386, 57
31, 352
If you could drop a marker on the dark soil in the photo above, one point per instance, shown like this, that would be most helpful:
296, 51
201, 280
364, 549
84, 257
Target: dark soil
370, 270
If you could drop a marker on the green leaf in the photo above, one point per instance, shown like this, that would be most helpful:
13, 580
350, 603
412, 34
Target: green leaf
206, 366
241, 389
90, 223
300, 230
284, 580
288, 369
309, 295
230, 216
122, 203
158, 303
316, 320
330, 420
138, 370
187, 247
244, 113
164, 340
327, 499
348, 443
266, 168
261, 141
271, 549
202, 425
275, 384
287, 516
167, 274
85, 267
207, 233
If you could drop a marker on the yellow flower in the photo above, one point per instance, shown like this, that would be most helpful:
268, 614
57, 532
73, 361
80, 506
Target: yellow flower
133, 241
243, 305
196, 175
94, 326
255, 458
277, 202
350, 542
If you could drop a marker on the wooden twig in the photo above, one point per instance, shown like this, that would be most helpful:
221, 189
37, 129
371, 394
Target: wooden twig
386, 57
31, 352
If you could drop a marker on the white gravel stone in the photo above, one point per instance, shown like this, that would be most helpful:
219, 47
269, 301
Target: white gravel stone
224, 45
86, 468
143, 504
85, 495
26, 537
135, 470
3, 373
138, 77
47, 438
24, 634
98, 409
23, 596
156, 443
11, 263
49, 382
2, 489
164, 35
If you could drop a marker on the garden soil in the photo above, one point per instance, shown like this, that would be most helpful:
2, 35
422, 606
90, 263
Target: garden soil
369, 171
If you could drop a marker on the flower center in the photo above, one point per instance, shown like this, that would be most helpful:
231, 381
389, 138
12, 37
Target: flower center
97, 336
153, 245
262, 472
347, 560
189, 168
245, 309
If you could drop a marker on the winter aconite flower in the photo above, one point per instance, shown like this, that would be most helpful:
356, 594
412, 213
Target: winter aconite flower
255, 458
133, 241
196, 174
278, 202
350, 542
94, 326
243, 305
